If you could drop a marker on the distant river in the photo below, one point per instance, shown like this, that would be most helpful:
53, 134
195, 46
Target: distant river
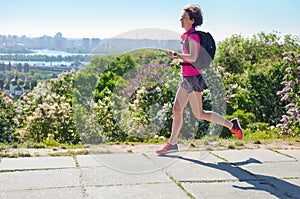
48, 53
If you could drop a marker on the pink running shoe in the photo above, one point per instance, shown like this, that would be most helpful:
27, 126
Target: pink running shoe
168, 148
237, 129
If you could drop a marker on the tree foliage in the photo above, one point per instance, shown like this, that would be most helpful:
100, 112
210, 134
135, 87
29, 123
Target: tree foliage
252, 70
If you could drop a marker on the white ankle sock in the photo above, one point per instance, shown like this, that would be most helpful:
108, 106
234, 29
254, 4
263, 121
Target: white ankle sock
231, 126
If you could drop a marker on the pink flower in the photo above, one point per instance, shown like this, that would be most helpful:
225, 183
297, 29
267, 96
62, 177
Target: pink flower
285, 97
287, 59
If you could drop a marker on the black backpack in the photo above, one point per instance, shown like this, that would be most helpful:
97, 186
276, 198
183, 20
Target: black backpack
207, 50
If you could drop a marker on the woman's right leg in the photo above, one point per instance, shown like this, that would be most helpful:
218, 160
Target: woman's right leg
180, 102
195, 99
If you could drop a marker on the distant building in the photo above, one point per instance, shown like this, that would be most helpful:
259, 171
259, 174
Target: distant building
95, 42
3, 40
58, 40
85, 43
44, 42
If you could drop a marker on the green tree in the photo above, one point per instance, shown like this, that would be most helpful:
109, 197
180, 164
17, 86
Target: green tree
252, 70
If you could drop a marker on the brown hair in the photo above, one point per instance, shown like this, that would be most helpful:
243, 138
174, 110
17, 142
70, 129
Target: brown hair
194, 12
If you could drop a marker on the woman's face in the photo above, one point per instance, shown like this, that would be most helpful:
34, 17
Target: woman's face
186, 22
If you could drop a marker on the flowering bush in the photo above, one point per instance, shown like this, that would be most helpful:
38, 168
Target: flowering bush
8, 119
136, 106
84, 109
291, 95
46, 112
106, 114
147, 109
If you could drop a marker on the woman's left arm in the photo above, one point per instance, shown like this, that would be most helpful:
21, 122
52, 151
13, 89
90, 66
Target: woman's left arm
192, 56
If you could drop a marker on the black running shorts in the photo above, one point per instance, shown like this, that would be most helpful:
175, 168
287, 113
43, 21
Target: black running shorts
193, 83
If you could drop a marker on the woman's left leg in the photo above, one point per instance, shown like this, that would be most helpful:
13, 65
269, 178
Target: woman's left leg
195, 99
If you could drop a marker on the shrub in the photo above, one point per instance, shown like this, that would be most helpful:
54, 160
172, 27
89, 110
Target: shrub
258, 126
107, 114
47, 111
252, 71
290, 122
147, 109
268, 134
244, 118
8, 119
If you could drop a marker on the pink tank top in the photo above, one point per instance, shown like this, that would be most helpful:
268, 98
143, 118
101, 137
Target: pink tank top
189, 70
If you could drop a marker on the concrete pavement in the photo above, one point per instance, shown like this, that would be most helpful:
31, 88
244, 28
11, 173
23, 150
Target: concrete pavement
259, 173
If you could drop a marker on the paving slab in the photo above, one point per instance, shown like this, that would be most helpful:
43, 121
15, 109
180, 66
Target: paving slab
275, 169
139, 191
100, 176
262, 155
294, 153
199, 171
294, 181
55, 193
289, 187
88, 161
195, 166
167, 160
39, 179
162, 162
217, 190
131, 163
36, 163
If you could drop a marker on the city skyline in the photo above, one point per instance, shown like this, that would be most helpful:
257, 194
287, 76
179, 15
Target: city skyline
106, 19
48, 42
93, 45
45, 35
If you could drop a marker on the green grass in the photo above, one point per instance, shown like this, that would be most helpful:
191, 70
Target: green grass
14, 155
70, 153
40, 145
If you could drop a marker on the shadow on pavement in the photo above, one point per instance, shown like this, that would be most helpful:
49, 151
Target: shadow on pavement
277, 187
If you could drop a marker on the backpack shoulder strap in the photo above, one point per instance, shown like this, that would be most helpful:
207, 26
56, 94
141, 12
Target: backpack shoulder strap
186, 42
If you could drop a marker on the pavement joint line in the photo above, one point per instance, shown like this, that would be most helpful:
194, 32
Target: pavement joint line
276, 151
36, 169
220, 157
280, 161
81, 179
264, 181
218, 181
146, 156
178, 183
260, 180
290, 178
39, 189
269, 183
94, 166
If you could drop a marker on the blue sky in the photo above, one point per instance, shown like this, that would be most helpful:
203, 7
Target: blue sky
107, 18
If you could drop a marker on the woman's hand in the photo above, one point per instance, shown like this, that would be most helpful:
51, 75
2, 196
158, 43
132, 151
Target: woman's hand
173, 55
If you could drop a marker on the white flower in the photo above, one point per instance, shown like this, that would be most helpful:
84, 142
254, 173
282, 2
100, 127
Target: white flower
158, 89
